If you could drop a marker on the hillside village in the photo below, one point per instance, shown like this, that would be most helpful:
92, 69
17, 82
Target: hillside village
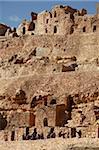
49, 76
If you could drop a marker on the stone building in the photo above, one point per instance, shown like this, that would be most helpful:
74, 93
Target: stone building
3, 29
61, 20
58, 21
28, 27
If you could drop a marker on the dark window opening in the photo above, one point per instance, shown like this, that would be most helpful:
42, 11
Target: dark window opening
13, 136
14, 29
50, 15
72, 17
27, 131
55, 29
23, 30
54, 69
55, 14
6, 137
69, 103
45, 122
53, 101
47, 20
71, 30
33, 103
84, 29
61, 117
73, 132
94, 28
3, 122
46, 30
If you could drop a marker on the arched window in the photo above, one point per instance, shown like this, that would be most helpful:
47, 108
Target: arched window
14, 29
54, 13
94, 28
23, 30
47, 21
55, 29
45, 30
50, 15
45, 122
84, 29
13, 136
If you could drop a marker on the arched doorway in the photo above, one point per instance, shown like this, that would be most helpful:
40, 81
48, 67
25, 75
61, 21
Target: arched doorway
12, 135
45, 122
3, 122
84, 29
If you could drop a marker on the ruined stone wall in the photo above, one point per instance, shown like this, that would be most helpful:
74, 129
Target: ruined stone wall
48, 113
54, 22
3, 29
61, 20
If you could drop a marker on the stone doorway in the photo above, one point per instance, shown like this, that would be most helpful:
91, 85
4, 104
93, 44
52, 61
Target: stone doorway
45, 122
12, 135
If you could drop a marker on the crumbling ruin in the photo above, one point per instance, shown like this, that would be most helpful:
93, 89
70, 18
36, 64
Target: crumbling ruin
49, 76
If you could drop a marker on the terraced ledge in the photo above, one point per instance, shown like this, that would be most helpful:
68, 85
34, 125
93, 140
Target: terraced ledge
53, 144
